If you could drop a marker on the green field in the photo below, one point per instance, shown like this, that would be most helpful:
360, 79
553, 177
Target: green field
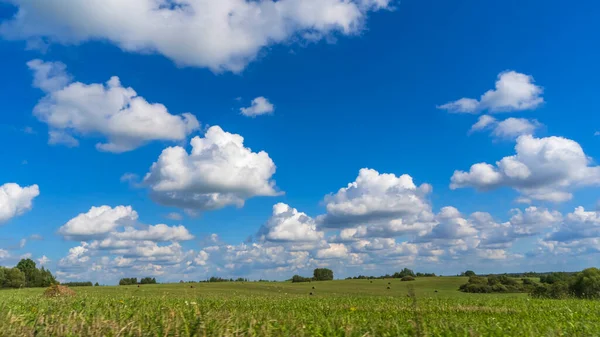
336, 308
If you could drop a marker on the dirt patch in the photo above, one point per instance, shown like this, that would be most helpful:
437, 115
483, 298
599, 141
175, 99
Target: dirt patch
58, 291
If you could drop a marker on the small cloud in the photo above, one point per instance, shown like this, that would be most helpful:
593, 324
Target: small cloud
29, 130
239, 98
24, 162
260, 106
132, 179
174, 216
597, 133
43, 260
36, 237
22, 243
25, 256
513, 92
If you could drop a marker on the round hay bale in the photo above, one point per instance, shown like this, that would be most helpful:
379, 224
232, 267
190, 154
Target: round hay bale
58, 291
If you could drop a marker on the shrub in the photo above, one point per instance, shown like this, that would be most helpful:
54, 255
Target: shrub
493, 284
407, 278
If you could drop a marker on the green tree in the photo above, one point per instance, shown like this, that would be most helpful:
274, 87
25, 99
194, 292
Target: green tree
27, 266
2, 276
469, 273
15, 278
96, 285
323, 274
587, 284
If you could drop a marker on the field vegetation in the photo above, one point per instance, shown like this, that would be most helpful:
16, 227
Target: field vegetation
427, 306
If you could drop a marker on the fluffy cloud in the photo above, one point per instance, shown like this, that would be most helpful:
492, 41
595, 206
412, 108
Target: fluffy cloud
4, 254
514, 92
334, 251
375, 198
218, 172
542, 169
288, 225
16, 200
113, 241
220, 35
98, 222
260, 106
508, 128
157, 233
580, 224
109, 110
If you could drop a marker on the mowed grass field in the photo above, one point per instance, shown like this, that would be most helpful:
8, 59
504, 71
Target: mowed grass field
336, 308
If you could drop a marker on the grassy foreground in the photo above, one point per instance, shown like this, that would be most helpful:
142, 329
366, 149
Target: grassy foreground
336, 308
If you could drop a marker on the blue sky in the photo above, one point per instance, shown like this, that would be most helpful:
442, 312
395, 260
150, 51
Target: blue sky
363, 87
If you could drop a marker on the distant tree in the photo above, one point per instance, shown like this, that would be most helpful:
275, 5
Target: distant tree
77, 284
96, 284
404, 272
407, 278
148, 280
323, 274
469, 273
128, 281
2, 276
298, 278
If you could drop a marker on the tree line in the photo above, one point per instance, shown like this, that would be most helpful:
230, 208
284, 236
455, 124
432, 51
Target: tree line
401, 274
25, 275
319, 274
584, 284
133, 281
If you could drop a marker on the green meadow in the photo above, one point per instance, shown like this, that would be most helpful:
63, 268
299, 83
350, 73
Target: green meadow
425, 307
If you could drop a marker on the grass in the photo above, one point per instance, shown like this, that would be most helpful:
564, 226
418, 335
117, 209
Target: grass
336, 308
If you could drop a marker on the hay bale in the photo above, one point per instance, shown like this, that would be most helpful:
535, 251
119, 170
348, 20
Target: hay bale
58, 291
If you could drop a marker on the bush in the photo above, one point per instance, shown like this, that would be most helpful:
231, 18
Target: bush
469, 273
407, 278
493, 284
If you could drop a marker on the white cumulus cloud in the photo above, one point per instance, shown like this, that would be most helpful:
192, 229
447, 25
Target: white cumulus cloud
112, 111
375, 198
288, 225
514, 92
222, 35
542, 169
509, 128
16, 200
260, 106
219, 171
